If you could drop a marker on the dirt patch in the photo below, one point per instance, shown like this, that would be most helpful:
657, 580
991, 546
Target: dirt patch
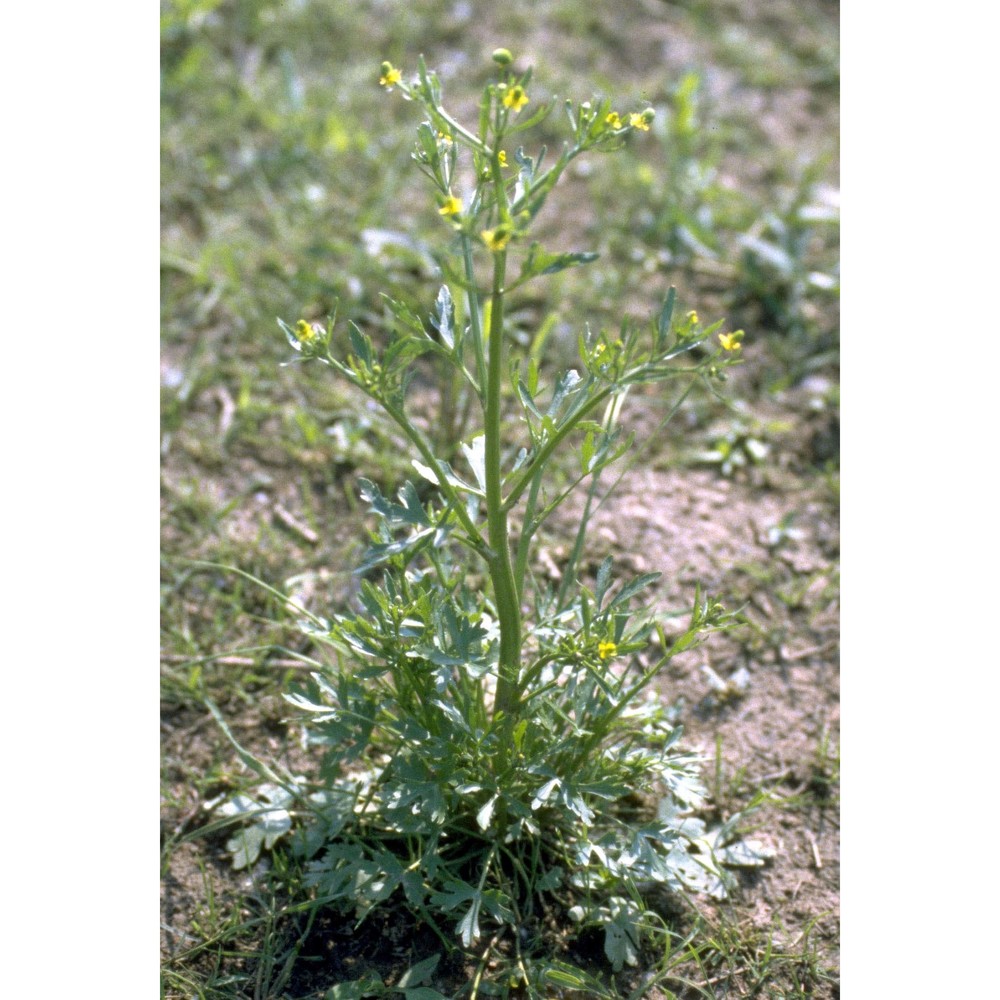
761, 703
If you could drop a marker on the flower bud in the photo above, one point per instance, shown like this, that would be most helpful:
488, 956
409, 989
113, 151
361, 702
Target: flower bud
502, 57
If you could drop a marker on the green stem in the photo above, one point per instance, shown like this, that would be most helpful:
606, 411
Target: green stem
528, 528
501, 572
641, 449
542, 457
448, 432
473, 299
474, 141
569, 573
427, 453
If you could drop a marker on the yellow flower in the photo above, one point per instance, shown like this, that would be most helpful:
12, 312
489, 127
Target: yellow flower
502, 157
304, 332
730, 341
639, 121
445, 138
599, 350
613, 120
515, 97
605, 650
451, 206
390, 75
496, 239
692, 318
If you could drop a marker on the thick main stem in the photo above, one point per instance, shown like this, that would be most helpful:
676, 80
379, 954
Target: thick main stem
501, 571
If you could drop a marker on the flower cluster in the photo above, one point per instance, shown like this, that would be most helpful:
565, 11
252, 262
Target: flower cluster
637, 119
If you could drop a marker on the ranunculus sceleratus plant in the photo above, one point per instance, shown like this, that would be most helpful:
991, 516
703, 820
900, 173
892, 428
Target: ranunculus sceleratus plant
488, 737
